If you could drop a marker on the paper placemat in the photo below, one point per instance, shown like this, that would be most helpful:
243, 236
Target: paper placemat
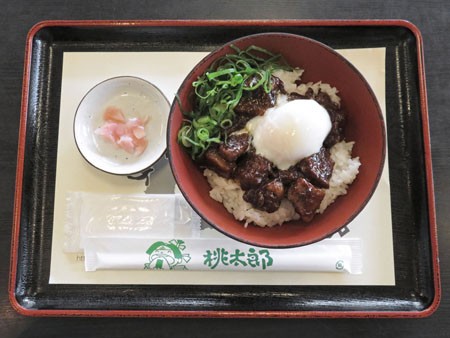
83, 70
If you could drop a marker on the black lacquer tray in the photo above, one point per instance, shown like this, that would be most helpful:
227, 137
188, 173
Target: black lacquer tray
417, 289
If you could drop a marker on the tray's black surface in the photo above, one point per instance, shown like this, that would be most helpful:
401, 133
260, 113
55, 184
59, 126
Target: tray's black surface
414, 290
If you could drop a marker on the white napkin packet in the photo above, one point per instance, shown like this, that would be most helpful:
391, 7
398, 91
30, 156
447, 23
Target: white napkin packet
162, 232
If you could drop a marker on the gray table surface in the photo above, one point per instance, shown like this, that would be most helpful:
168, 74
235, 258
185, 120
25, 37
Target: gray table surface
431, 17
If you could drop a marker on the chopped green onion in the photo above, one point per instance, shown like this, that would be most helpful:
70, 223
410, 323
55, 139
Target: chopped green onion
203, 134
219, 90
226, 123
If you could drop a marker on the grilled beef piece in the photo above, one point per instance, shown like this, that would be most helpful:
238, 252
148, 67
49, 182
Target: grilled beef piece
318, 168
239, 123
296, 96
214, 161
268, 197
309, 93
325, 101
337, 117
252, 170
256, 102
235, 146
306, 198
336, 133
289, 175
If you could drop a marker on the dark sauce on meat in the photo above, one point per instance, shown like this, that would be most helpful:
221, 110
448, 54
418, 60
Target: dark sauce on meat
318, 168
252, 170
213, 160
306, 198
256, 102
235, 146
267, 197
337, 117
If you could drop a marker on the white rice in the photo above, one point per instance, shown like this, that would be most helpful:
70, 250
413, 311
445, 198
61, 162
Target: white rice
229, 193
289, 78
290, 86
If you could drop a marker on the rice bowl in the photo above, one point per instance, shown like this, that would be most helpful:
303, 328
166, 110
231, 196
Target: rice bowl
214, 197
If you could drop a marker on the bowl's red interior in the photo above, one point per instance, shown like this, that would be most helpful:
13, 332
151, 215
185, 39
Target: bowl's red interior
365, 126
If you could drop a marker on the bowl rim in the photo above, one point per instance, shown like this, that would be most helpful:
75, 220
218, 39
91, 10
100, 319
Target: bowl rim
352, 216
133, 78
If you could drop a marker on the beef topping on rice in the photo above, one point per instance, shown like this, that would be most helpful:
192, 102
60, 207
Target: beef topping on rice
318, 168
268, 197
256, 102
310, 93
222, 158
239, 123
336, 134
235, 146
213, 160
337, 117
252, 171
289, 175
325, 101
306, 198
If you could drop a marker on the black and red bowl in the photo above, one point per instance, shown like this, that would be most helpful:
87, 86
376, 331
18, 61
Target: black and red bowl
365, 126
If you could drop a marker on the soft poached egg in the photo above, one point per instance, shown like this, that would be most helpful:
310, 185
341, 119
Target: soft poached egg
290, 131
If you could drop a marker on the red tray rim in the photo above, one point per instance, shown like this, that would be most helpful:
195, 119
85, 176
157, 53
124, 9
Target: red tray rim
211, 313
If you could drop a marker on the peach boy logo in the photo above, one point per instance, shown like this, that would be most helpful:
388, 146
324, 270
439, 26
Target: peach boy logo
167, 256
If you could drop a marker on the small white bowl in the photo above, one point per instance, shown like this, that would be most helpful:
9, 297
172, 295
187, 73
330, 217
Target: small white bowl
136, 98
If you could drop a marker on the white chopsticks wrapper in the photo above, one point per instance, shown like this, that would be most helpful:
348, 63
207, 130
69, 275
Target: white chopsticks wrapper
162, 232
217, 254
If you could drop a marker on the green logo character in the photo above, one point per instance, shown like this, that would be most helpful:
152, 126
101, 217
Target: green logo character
167, 256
